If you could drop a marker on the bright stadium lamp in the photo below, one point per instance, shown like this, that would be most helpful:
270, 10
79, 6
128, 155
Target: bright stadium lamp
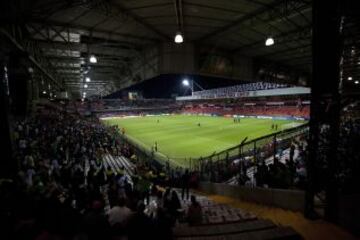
93, 59
269, 41
186, 82
349, 78
44, 92
356, 82
85, 85
87, 79
178, 38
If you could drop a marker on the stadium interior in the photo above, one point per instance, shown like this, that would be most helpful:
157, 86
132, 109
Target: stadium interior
179, 119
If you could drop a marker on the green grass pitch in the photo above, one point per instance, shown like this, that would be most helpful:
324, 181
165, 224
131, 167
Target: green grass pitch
179, 136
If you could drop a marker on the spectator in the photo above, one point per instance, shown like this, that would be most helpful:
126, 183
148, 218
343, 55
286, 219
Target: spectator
163, 225
119, 215
95, 224
175, 205
185, 178
194, 214
140, 225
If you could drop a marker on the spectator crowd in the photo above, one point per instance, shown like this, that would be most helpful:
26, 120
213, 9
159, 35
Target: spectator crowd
63, 191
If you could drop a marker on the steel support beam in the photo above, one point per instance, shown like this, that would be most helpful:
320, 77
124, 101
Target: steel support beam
8, 166
325, 109
88, 31
34, 59
296, 34
253, 15
138, 19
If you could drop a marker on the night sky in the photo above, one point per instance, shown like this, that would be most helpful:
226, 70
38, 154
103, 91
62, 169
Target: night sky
165, 85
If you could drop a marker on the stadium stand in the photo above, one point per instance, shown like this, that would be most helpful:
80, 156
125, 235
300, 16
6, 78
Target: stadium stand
292, 160
234, 91
270, 106
118, 107
86, 169
189, 120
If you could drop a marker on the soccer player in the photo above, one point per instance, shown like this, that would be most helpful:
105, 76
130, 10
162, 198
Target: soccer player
272, 126
158, 121
199, 124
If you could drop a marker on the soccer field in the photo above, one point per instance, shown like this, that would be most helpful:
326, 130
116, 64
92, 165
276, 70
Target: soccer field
179, 136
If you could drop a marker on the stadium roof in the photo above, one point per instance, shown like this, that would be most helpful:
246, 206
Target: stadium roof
62, 34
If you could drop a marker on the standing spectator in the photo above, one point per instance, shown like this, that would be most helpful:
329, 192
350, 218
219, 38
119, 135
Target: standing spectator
194, 214
174, 205
185, 178
292, 152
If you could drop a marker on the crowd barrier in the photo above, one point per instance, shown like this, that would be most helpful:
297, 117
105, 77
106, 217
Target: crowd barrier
283, 198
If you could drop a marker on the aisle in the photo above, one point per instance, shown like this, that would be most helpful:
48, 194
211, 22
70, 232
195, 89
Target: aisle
310, 230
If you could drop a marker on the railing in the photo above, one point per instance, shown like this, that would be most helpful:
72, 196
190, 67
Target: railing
220, 166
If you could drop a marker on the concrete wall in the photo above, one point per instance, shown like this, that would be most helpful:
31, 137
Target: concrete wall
287, 199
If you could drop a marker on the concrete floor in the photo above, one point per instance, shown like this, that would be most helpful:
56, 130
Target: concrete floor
310, 230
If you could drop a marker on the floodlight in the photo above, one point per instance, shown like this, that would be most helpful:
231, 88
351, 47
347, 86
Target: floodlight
85, 85
356, 82
349, 78
87, 79
178, 38
93, 59
269, 41
186, 82
44, 92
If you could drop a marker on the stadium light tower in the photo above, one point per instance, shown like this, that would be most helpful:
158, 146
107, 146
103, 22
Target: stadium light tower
190, 83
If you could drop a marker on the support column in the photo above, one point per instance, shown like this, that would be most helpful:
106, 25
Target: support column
7, 165
325, 107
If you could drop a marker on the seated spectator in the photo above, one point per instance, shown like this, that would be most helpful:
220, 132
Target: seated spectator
194, 214
163, 225
119, 214
140, 225
95, 224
